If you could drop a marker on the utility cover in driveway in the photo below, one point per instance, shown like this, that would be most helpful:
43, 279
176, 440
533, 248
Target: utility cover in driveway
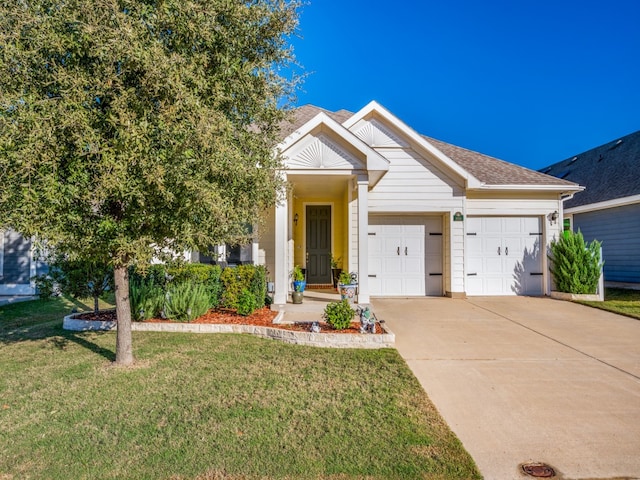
504, 256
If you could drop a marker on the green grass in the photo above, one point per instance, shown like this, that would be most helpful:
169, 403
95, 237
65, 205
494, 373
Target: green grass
209, 407
619, 300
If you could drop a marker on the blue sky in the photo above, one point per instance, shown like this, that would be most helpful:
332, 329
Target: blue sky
529, 82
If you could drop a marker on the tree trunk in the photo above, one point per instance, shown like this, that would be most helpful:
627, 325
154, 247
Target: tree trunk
96, 305
124, 350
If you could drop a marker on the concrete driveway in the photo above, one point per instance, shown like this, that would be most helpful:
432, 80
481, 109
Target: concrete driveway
522, 379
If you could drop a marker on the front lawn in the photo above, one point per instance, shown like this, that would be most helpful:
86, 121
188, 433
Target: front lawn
619, 300
209, 407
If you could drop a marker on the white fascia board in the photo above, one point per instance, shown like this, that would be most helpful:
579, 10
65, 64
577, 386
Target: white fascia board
375, 161
616, 202
538, 188
414, 137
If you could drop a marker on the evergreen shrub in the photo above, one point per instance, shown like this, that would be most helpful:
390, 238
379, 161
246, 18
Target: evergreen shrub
575, 264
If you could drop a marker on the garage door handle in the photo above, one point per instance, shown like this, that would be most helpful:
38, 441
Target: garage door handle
405, 251
506, 250
398, 250
498, 250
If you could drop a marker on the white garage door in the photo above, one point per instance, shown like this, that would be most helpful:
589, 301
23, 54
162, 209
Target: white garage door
405, 256
504, 256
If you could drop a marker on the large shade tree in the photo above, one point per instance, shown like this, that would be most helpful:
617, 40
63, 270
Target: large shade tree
131, 127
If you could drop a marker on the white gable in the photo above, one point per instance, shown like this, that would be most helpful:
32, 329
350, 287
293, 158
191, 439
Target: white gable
318, 152
375, 134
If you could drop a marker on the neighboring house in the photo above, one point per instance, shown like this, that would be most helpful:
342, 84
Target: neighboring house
17, 264
413, 216
609, 209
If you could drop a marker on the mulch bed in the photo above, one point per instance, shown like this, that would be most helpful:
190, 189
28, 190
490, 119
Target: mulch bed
261, 318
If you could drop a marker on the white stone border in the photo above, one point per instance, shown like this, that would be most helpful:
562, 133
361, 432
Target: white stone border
331, 340
576, 296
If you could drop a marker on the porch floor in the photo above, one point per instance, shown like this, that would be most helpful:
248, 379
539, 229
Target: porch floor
311, 308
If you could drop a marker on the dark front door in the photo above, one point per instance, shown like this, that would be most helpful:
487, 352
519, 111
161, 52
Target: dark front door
318, 243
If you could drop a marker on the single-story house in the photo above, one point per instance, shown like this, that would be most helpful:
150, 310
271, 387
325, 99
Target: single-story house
413, 216
609, 209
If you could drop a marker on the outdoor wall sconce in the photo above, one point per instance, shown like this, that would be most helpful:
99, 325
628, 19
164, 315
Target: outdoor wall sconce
554, 217
295, 219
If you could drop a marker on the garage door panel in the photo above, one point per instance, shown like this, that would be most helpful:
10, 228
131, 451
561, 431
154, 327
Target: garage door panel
401, 253
505, 255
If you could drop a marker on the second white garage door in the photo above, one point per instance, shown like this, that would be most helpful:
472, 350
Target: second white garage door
504, 256
405, 256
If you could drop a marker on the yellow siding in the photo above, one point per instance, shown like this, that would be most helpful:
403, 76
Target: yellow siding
338, 227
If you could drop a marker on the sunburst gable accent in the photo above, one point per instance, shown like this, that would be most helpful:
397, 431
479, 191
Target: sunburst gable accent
375, 134
319, 152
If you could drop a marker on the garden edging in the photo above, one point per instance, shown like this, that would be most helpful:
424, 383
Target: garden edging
332, 340
576, 296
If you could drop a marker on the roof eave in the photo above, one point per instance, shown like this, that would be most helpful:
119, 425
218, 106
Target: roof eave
543, 188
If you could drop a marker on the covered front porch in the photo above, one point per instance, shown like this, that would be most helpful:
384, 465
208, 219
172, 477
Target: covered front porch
324, 215
324, 219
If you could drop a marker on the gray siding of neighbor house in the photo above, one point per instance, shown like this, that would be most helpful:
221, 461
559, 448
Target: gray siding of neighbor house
16, 260
619, 231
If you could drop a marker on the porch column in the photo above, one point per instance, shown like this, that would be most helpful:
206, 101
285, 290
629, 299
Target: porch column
363, 240
281, 274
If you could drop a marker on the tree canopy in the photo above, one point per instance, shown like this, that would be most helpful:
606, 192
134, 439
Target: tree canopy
132, 126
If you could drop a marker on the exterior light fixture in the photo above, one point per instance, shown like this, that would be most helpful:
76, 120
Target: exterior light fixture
554, 217
295, 219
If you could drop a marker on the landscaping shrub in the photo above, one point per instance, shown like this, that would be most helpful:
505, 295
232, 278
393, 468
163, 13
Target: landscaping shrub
259, 285
146, 298
338, 314
243, 277
246, 303
575, 264
186, 301
202, 274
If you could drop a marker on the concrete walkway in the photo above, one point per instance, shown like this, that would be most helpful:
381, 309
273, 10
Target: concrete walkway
528, 380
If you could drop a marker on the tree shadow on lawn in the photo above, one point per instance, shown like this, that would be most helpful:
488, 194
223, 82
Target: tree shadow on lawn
54, 333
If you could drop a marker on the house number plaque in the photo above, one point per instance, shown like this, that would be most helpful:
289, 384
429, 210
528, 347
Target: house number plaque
458, 217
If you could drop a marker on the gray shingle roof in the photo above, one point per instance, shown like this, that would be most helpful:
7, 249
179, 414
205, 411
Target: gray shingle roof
608, 172
493, 171
488, 170
302, 115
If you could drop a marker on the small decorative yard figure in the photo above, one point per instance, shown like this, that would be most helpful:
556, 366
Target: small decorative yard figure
315, 327
367, 320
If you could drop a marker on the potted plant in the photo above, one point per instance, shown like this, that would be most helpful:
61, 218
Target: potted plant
299, 284
335, 270
347, 285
